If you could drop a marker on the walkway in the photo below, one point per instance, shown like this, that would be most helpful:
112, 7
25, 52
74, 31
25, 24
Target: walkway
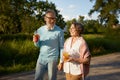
105, 67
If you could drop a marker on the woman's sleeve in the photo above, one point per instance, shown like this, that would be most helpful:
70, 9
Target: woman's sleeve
84, 53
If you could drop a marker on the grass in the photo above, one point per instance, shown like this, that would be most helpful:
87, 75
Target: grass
100, 44
19, 53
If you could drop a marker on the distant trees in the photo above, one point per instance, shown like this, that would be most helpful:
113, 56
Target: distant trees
109, 11
90, 26
24, 16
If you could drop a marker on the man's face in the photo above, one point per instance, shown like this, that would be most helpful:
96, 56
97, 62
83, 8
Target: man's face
50, 19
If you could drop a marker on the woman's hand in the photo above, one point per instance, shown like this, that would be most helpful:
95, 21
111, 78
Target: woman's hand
70, 59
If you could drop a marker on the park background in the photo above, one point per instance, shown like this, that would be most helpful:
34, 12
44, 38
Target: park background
20, 18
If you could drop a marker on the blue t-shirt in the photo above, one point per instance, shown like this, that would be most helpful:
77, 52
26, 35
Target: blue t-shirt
51, 44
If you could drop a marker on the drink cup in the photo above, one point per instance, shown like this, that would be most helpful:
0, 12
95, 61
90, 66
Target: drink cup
36, 37
66, 55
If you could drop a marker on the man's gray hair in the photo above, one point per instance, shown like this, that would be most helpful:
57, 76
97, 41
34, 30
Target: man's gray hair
50, 11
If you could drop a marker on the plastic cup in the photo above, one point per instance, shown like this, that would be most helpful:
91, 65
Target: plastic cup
66, 55
36, 37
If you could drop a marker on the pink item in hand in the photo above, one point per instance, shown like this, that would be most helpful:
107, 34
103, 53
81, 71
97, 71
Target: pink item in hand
36, 38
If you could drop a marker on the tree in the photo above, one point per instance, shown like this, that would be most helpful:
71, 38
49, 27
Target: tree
10, 11
91, 26
25, 16
81, 19
109, 11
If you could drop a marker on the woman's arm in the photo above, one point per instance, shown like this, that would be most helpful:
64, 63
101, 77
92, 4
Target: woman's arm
82, 61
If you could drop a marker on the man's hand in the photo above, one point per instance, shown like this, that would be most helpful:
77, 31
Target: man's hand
36, 38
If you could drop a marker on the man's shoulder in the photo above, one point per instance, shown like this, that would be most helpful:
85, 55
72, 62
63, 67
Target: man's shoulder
58, 28
41, 27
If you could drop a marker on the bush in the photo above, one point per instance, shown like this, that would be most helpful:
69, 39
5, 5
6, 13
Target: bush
19, 54
99, 44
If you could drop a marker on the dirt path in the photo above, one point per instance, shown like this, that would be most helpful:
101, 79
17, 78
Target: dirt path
105, 67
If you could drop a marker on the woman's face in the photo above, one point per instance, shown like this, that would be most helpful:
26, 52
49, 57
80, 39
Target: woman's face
73, 31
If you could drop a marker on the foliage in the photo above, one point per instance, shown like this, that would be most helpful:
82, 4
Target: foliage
109, 11
90, 26
18, 53
101, 44
25, 16
16, 68
112, 33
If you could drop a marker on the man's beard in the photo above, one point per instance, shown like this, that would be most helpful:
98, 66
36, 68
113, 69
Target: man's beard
49, 26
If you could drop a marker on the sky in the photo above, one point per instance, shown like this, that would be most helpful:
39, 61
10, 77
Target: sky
70, 9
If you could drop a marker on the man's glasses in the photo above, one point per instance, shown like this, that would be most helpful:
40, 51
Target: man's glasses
51, 18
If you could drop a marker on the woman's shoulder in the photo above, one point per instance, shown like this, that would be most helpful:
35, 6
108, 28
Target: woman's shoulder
69, 38
82, 39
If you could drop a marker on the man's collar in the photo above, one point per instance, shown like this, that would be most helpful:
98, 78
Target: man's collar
49, 28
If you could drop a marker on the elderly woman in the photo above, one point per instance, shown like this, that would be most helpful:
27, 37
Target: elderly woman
76, 55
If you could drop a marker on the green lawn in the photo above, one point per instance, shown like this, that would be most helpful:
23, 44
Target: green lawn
19, 53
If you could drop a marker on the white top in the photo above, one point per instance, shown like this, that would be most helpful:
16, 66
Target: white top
74, 51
